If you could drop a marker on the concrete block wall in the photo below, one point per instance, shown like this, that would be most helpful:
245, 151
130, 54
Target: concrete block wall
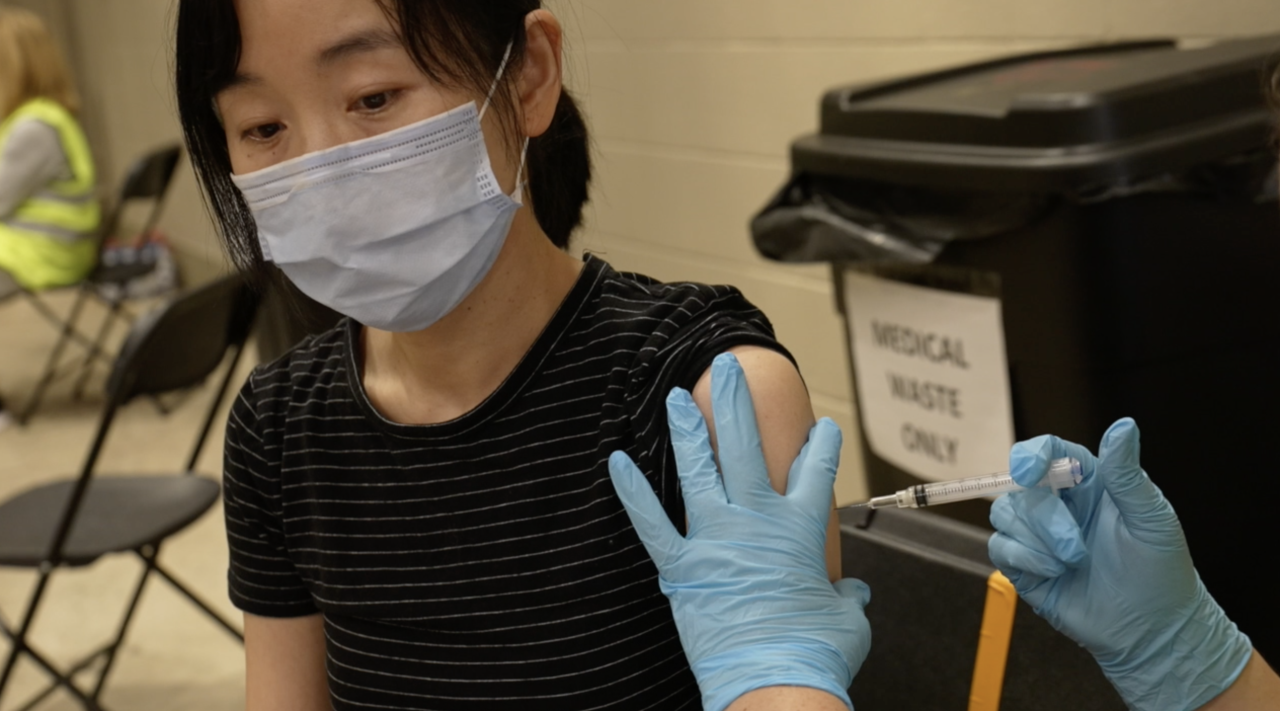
694, 104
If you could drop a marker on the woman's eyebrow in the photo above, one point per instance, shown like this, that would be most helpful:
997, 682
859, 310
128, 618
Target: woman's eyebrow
357, 43
238, 80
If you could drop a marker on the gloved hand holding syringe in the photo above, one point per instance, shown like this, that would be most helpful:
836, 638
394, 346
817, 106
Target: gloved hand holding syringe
1063, 474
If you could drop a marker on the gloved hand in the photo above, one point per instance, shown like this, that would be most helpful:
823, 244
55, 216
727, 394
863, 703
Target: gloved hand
749, 585
1107, 564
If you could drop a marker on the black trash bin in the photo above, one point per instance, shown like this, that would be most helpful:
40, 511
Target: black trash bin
1121, 202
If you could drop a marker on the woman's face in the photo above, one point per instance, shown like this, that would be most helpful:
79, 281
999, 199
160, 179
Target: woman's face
315, 74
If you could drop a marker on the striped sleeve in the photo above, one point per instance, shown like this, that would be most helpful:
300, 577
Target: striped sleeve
262, 580
703, 323
715, 320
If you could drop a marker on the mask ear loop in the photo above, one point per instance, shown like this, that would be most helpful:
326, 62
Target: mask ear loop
524, 152
502, 68
520, 183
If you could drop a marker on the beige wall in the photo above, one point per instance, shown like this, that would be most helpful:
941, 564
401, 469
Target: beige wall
695, 102
126, 71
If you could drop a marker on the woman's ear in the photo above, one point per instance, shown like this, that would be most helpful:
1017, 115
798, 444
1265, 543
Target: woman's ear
540, 78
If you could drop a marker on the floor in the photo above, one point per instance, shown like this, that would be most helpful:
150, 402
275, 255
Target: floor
174, 657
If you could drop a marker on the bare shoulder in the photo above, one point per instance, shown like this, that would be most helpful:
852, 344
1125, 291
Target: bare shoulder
784, 416
783, 412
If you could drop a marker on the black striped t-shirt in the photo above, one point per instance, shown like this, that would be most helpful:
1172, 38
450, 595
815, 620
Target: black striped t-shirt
486, 562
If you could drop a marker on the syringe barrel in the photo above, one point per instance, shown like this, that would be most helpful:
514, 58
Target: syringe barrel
947, 492
1063, 474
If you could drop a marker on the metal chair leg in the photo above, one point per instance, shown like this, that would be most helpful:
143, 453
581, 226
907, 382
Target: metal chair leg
97, 350
19, 636
148, 554
71, 672
51, 368
18, 639
60, 323
204, 606
60, 681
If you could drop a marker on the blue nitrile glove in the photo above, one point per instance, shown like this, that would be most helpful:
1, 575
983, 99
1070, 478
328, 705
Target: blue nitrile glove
748, 585
1107, 564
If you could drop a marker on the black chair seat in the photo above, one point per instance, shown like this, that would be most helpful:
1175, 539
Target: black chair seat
118, 514
121, 273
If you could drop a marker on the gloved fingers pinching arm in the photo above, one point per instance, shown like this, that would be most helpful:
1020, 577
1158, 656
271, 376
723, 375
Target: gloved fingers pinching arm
737, 434
700, 480
660, 538
811, 481
748, 584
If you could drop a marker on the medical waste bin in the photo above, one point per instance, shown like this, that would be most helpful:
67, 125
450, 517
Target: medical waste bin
929, 579
1100, 226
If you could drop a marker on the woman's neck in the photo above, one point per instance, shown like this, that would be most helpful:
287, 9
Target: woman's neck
444, 372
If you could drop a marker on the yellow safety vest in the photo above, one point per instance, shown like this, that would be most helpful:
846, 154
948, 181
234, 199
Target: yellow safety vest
50, 240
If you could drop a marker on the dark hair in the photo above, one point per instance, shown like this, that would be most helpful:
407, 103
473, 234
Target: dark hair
457, 43
1273, 96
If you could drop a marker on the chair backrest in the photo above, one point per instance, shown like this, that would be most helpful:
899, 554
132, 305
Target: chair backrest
928, 577
176, 346
151, 175
182, 343
148, 179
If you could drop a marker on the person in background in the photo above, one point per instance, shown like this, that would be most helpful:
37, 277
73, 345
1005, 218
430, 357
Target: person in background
49, 214
1105, 563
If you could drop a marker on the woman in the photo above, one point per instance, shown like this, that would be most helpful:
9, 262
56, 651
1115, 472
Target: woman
48, 211
418, 502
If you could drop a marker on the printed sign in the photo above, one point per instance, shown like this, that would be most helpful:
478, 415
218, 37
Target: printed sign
932, 377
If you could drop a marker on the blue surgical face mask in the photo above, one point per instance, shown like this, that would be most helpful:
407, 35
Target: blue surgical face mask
394, 230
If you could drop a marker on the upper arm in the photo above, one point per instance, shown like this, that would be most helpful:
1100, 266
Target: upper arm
784, 416
32, 159
284, 640
285, 664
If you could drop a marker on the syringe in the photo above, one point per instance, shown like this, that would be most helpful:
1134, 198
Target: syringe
1063, 474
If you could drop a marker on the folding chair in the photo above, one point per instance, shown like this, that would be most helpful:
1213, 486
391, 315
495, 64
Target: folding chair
73, 522
949, 632
149, 179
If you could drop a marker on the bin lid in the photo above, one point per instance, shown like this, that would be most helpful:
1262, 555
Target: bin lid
1051, 121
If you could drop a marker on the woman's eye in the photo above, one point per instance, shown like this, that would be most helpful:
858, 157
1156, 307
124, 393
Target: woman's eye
375, 102
265, 132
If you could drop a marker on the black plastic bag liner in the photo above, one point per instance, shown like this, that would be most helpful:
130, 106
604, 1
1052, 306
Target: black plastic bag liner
816, 219
807, 224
